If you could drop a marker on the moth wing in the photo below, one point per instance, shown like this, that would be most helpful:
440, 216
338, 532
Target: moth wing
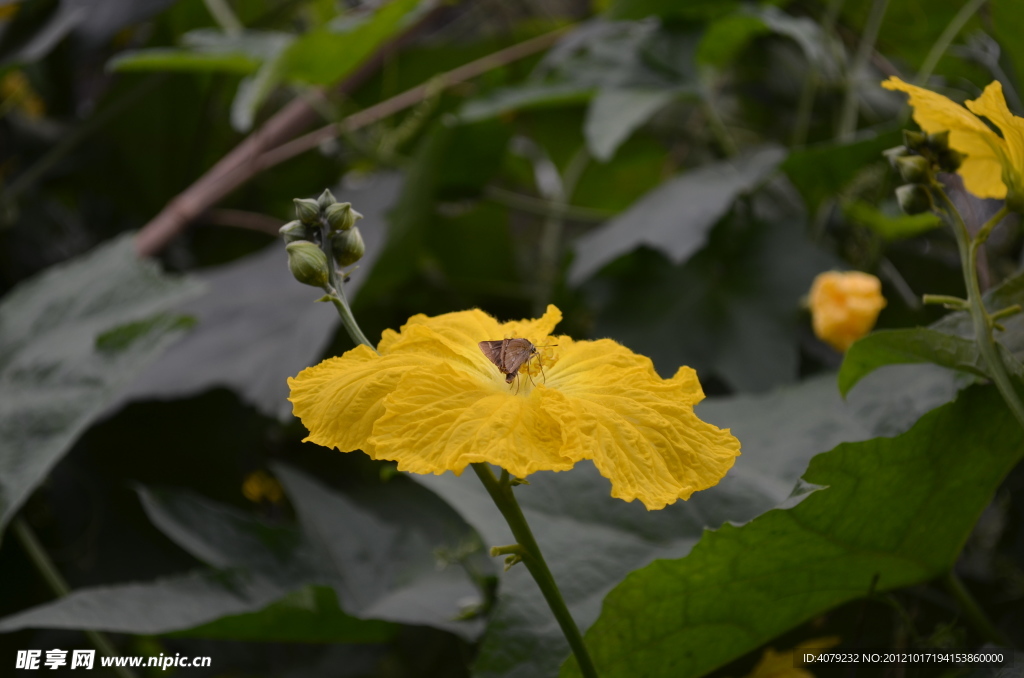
492, 349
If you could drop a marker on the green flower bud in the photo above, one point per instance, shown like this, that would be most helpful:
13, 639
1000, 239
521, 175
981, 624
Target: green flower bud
915, 169
348, 246
308, 263
294, 231
915, 141
939, 141
340, 216
914, 199
895, 153
307, 211
326, 198
950, 160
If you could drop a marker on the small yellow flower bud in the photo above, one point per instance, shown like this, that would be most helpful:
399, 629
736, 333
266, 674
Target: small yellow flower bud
326, 199
307, 211
348, 246
308, 263
340, 216
914, 199
294, 231
844, 306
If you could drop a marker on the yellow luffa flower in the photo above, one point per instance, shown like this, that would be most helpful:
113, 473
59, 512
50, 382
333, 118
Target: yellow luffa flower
844, 306
433, 402
994, 165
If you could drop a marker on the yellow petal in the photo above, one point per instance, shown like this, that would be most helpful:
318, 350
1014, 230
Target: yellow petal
455, 336
339, 400
639, 429
537, 331
448, 418
982, 170
992, 105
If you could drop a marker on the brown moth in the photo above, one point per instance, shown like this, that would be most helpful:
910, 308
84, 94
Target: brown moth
509, 355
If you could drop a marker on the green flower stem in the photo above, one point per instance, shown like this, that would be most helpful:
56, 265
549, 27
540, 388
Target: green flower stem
41, 559
975, 615
979, 314
337, 297
504, 498
946, 300
336, 292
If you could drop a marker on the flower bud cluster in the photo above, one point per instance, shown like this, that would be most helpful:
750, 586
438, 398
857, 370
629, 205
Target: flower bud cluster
917, 160
322, 226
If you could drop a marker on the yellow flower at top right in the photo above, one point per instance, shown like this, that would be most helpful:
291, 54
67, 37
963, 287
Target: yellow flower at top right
994, 165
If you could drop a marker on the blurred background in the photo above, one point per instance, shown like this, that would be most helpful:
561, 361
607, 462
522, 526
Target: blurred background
670, 174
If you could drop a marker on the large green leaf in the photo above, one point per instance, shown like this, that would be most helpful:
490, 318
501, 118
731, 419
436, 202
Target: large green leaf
616, 112
309, 615
382, 552
378, 556
675, 217
592, 540
948, 342
914, 345
892, 512
71, 339
258, 297
168, 604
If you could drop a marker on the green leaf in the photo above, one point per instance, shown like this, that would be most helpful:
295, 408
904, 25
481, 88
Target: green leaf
452, 161
891, 512
734, 310
948, 342
695, 10
806, 33
725, 38
309, 615
253, 90
675, 217
324, 56
167, 604
821, 171
207, 50
591, 540
257, 297
171, 59
526, 97
71, 339
890, 227
381, 551
916, 345
615, 113
379, 554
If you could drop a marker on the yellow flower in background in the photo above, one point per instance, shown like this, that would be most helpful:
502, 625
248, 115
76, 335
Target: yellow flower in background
433, 402
260, 485
16, 93
994, 165
844, 306
789, 663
